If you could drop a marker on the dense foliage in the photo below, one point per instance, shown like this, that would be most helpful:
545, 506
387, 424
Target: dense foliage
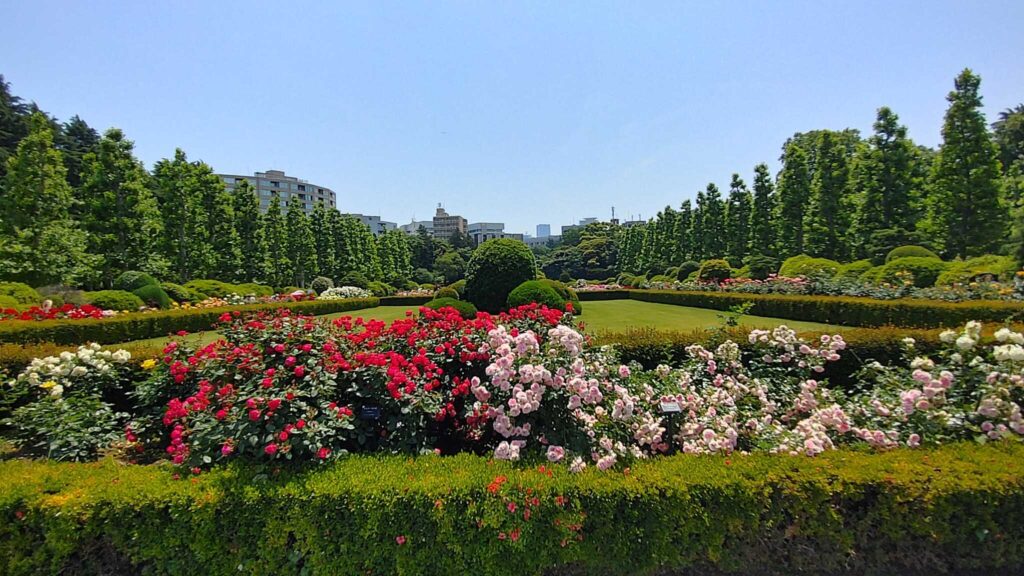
496, 268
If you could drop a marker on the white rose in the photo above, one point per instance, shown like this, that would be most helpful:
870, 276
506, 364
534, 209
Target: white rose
947, 336
965, 342
79, 371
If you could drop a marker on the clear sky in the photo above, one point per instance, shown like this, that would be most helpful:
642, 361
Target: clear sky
516, 112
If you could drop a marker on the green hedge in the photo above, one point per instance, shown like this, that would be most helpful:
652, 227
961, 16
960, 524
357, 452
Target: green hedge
126, 327
954, 510
848, 311
603, 295
405, 300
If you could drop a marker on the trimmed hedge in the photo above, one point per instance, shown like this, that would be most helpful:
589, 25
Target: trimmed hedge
603, 295
804, 265
466, 309
535, 291
135, 326
849, 311
22, 293
154, 296
117, 300
405, 300
953, 510
132, 280
924, 271
910, 251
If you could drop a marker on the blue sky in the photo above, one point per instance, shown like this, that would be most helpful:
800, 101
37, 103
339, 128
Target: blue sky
517, 112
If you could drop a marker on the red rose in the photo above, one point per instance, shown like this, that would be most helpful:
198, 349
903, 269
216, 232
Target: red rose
279, 348
274, 404
270, 449
268, 382
254, 415
323, 453
283, 436
289, 361
221, 414
400, 540
300, 424
300, 371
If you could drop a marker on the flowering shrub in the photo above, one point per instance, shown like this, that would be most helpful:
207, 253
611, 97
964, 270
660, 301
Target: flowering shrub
49, 312
583, 286
417, 292
66, 402
342, 292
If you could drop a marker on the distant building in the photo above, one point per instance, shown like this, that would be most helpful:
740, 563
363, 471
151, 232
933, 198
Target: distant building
481, 232
375, 224
445, 224
534, 242
275, 183
586, 221
631, 223
543, 230
414, 227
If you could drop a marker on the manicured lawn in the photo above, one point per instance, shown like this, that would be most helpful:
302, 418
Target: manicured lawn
597, 317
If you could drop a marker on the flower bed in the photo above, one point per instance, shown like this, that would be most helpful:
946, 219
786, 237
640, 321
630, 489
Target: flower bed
64, 312
952, 510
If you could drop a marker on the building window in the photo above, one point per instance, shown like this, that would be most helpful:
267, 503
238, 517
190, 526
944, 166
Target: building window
275, 184
302, 187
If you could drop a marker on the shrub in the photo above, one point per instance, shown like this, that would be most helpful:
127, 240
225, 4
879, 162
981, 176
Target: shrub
987, 265
495, 269
804, 265
212, 288
923, 270
179, 293
741, 272
63, 294
290, 289
909, 252
254, 288
854, 270
535, 291
465, 309
566, 293
153, 296
761, 266
672, 271
131, 280
380, 289
422, 275
459, 286
714, 270
564, 276
357, 279
687, 268
8, 301
663, 278
117, 300
22, 293
321, 284
447, 292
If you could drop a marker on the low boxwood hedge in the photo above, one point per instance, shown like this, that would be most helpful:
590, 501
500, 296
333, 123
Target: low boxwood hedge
603, 295
849, 311
952, 510
405, 300
136, 326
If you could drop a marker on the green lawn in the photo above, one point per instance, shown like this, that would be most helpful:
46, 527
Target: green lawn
598, 317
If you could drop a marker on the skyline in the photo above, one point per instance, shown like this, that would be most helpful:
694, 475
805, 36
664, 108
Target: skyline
525, 115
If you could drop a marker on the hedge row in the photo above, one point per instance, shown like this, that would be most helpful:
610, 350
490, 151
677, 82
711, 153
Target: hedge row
603, 295
848, 311
126, 327
405, 300
953, 510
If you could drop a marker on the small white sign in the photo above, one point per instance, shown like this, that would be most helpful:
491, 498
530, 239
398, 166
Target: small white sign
670, 407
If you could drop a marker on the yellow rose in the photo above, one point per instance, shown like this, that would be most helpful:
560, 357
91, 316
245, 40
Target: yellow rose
148, 364
48, 384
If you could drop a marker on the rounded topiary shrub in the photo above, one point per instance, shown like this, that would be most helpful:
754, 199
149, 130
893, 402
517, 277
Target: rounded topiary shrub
321, 284
179, 293
854, 269
114, 300
253, 288
466, 309
153, 296
212, 288
760, 267
131, 280
495, 269
925, 271
714, 270
380, 289
567, 294
663, 278
687, 268
804, 265
63, 294
8, 302
459, 287
357, 279
535, 291
447, 292
988, 265
909, 252
22, 293
564, 276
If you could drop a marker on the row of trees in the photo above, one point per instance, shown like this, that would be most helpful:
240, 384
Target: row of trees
841, 197
80, 209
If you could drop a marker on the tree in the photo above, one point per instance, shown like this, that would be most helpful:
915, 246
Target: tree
683, 232
886, 177
423, 245
300, 244
762, 220
225, 257
965, 214
395, 256
14, 124
1009, 136
275, 230
324, 240
179, 186
794, 192
119, 212
40, 243
738, 212
452, 266
712, 225
252, 243
76, 140
827, 216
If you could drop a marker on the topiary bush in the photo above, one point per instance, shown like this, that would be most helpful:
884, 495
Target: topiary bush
804, 265
380, 289
447, 292
567, 293
114, 300
465, 309
253, 288
64, 294
714, 270
495, 269
212, 288
321, 284
459, 287
1001, 267
925, 271
909, 252
179, 293
564, 276
357, 279
131, 280
535, 291
153, 296
22, 293
854, 270
663, 278
760, 267
687, 268
8, 302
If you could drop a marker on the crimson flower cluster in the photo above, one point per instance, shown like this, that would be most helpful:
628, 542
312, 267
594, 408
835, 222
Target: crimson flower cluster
65, 312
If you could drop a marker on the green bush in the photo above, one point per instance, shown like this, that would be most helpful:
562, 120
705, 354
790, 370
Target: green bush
951, 510
761, 267
380, 289
290, 289
8, 301
495, 269
564, 276
179, 293
924, 270
153, 296
460, 287
321, 284
672, 271
212, 288
63, 294
804, 265
1002, 267
871, 275
714, 270
139, 326
663, 278
357, 279
447, 292
687, 268
254, 288
535, 291
117, 300
854, 270
22, 293
131, 280
909, 252
465, 309
566, 293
